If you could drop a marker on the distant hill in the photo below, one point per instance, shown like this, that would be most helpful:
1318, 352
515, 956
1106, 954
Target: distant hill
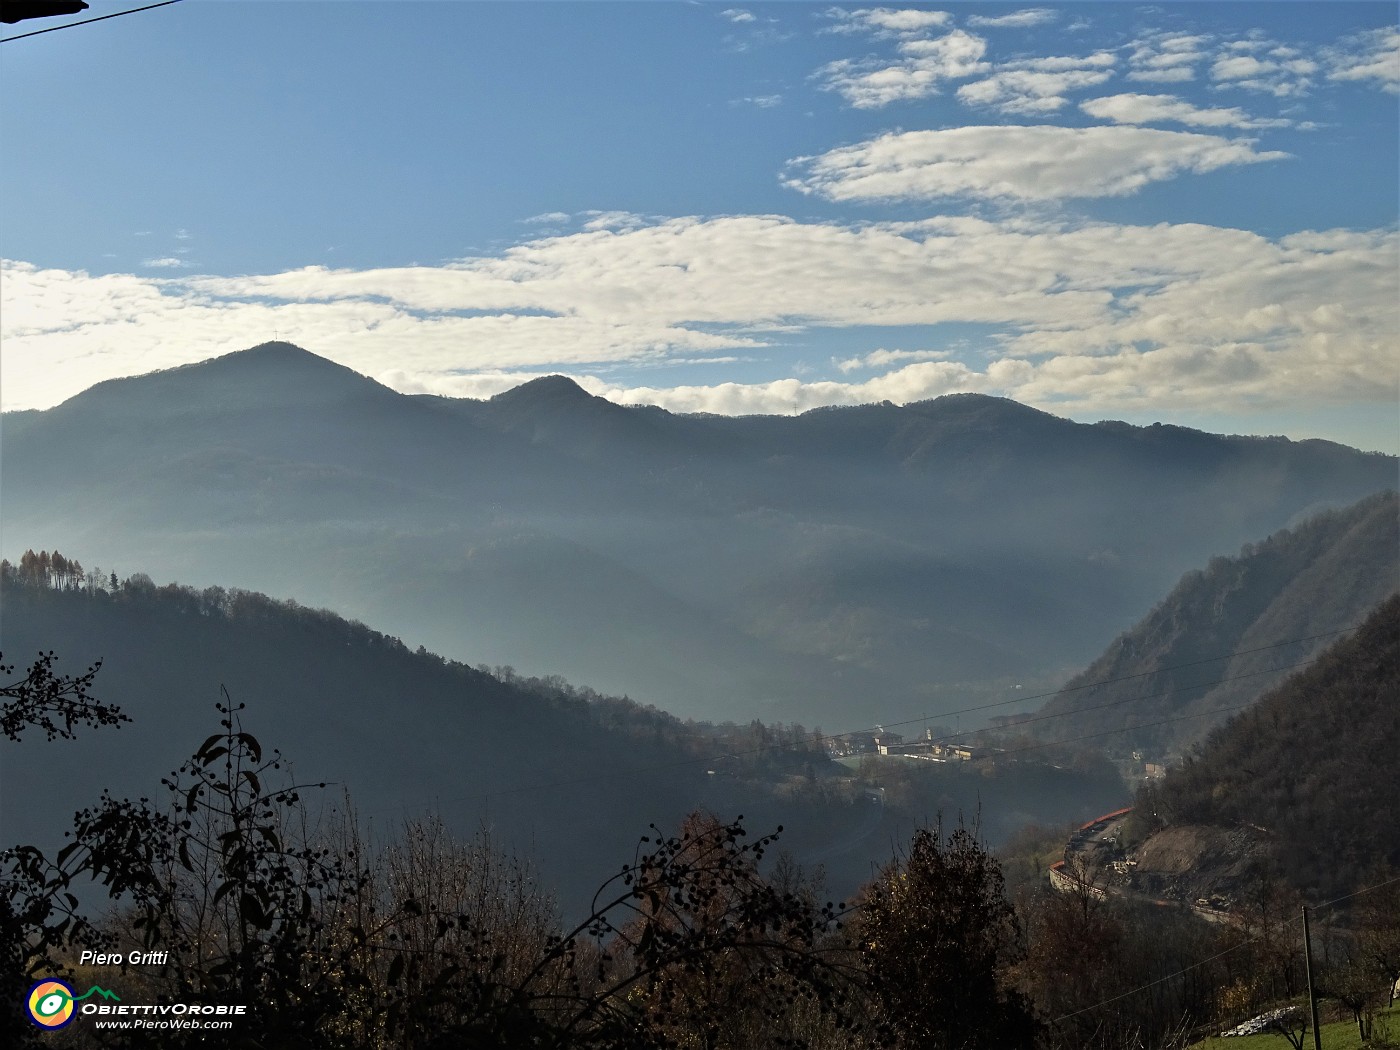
408, 734
569, 776
839, 568
1313, 764
1277, 605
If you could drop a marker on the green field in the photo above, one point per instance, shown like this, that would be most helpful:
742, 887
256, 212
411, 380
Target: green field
1338, 1035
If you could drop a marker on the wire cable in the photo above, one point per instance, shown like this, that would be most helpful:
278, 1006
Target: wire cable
761, 749
1129, 729
86, 21
1125, 678
1356, 893
1227, 951
1129, 699
985, 707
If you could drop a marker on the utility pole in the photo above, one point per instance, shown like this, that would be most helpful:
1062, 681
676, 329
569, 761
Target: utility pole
1312, 995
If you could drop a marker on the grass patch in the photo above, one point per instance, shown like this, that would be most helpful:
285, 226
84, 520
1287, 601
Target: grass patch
1336, 1035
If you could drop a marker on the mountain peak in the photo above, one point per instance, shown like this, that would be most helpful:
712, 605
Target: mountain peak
982, 406
556, 410
273, 374
283, 357
555, 388
274, 350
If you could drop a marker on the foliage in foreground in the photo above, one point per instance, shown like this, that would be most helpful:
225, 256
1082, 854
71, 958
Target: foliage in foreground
429, 943
432, 943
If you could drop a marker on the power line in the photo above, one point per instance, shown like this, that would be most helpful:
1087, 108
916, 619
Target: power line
1020, 699
1142, 696
521, 789
662, 767
1159, 980
602, 777
1070, 689
1129, 677
1357, 893
1217, 955
86, 21
1129, 729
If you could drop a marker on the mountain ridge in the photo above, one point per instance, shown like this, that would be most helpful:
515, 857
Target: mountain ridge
278, 364
919, 550
1308, 583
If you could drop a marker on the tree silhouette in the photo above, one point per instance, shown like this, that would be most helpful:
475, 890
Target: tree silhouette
53, 703
255, 909
938, 936
38, 913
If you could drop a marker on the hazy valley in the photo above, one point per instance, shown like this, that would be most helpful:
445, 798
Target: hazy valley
798, 609
688, 526
839, 568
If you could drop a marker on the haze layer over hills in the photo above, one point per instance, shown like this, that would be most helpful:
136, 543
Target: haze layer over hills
564, 776
1242, 622
841, 567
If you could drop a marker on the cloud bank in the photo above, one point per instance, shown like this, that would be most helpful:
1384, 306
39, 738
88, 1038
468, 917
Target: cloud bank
1043, 162
1083, 317
1032, 16
1372, 57
926, 64
1154, 109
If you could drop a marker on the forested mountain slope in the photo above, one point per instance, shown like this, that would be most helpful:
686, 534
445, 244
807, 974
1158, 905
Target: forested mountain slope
1275, 606
570, 777
565, 775
1313, 763
841, 567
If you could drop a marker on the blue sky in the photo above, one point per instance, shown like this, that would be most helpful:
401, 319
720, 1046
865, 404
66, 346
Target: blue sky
1178, 212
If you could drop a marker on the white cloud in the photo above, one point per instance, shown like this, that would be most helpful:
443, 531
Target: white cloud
1039, 85
867, 88
1032, 163
872, 83
761, 101
1168, 75
549, 218
477, 385
885, 21
1086, 316
883, 358
613, 220
953, 55
1031, 16
1166, 57
1152, 109
167, 263
1282, 77
1063, 63
1373, 56
738, 14
1237, 67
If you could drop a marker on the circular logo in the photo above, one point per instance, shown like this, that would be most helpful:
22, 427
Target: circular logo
51, 1004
